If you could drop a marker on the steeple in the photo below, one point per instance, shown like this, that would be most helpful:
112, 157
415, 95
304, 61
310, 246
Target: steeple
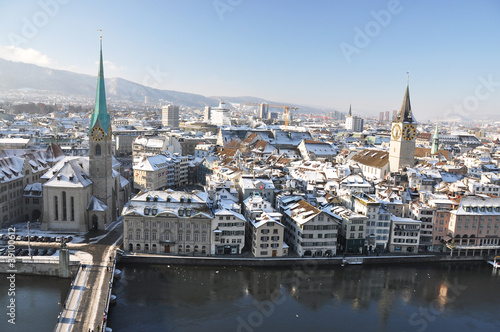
404, 114
350, 113
100, 109
435, 141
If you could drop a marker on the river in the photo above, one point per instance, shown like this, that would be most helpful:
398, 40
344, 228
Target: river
37, 302
432, 297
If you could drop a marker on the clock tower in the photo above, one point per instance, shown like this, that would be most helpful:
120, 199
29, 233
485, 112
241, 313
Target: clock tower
403, 133
100, 158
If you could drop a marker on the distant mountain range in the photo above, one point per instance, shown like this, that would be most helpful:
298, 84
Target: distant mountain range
25, 77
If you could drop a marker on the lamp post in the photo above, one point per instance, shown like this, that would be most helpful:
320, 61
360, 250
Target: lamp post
29, 241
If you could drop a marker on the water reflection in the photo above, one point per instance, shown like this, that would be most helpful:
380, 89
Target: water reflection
382, 297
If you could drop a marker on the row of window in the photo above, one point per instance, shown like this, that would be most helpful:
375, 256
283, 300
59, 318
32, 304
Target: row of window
64, 208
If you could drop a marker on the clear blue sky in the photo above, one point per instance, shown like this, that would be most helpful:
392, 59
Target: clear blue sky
280, 50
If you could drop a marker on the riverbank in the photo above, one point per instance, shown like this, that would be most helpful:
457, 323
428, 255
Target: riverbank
291, 261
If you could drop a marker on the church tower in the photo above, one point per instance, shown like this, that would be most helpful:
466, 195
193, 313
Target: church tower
402, 147
435, 141
101, 206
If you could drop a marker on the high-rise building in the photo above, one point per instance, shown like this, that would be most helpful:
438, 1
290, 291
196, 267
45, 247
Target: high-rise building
208, 113
381, 117
170, 116
387, 119
263, 111
402, 147
220, 115
394, 114
353, 123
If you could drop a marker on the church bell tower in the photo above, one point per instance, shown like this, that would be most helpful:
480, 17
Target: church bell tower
403, 133
100, 157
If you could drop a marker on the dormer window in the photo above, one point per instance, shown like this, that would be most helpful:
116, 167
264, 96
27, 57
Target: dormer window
188, 212
146, 210
155, 198
180, 212
169, 199
189, 200
148, 198
154, 210
182, 199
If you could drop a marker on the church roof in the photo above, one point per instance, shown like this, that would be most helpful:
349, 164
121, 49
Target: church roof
404, 114
95, 204
71, 174
100, 110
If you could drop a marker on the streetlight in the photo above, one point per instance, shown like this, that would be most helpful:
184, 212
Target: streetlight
29, 241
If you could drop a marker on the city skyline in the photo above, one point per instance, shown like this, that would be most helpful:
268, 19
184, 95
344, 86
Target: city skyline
327, 54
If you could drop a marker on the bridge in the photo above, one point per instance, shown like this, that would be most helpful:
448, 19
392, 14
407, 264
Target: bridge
87, 302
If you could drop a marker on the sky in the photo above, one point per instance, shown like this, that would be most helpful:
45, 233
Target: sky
323, 53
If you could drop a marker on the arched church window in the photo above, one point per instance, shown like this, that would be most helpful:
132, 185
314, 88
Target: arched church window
98, 150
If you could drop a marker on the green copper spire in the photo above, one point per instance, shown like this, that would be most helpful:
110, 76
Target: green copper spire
435, 141
100, 109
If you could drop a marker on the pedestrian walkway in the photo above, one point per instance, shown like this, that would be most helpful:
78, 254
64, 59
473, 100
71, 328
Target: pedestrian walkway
87, 301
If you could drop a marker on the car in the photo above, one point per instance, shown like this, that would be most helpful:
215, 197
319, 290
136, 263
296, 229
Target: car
17, 251
52, 239
58, 239
34, 252
69, 238
42, 252
33, 238
51, 251
25, 238
24, 252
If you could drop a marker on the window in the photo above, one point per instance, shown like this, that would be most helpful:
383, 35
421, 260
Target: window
179, 236
56, 208
188, 236
204, 237
138, 235
130, 236
167, 236
146, 235
64, 215
196, 237
72, 208
153, 236
98, 150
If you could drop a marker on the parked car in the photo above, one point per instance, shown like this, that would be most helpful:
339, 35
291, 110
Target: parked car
24, 252
51, 251
25, 238
52, 239
42, 252
58, 239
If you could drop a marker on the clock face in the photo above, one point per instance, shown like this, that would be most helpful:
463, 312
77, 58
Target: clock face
409, 132
97, 133
396, 131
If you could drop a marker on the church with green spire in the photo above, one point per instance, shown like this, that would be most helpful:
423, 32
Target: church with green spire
87, 193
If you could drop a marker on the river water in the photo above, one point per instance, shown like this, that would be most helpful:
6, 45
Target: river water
435, 297
37, 302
